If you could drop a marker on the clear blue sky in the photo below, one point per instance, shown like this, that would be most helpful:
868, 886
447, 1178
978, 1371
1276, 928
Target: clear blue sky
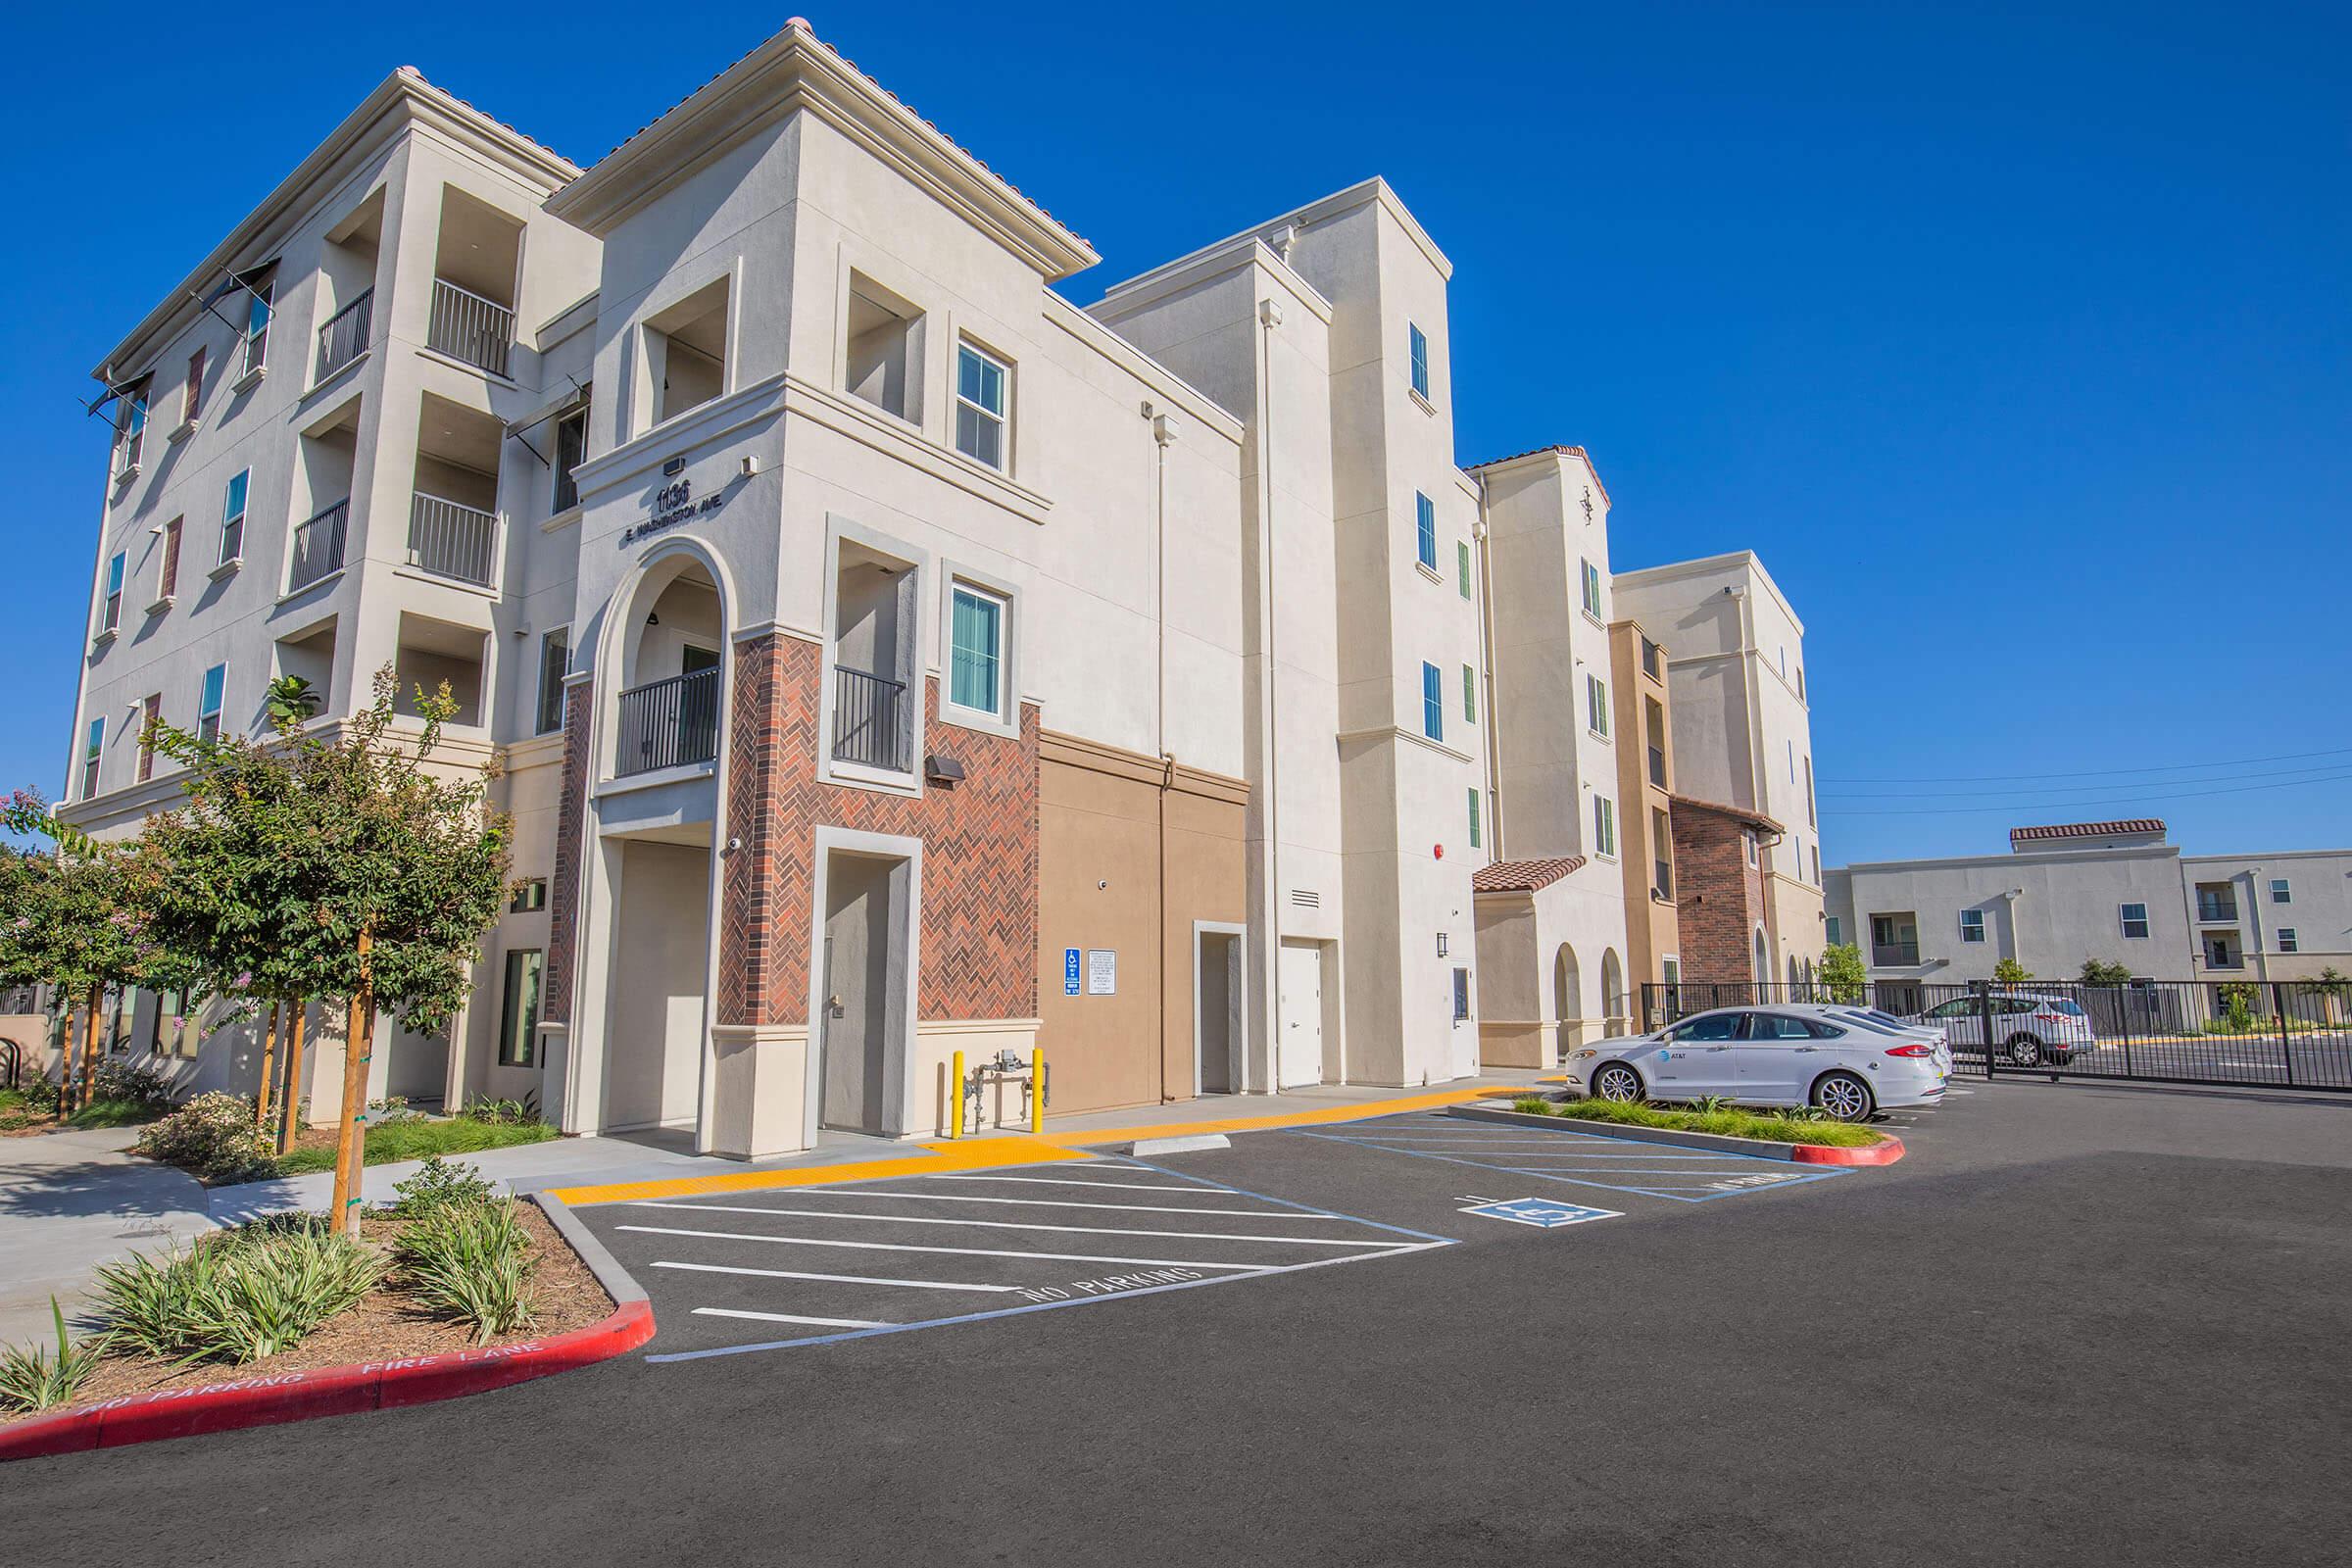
2016, 346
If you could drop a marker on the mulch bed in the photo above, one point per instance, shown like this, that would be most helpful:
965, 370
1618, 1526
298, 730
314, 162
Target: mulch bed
564, 1296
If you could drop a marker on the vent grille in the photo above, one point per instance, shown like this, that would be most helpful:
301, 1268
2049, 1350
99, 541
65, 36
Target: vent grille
1306, 897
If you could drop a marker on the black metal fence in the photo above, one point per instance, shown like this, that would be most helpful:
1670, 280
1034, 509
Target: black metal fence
2282, 1034
869, 720
668, 723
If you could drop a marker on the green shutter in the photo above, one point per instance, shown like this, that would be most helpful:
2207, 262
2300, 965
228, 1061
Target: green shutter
1462, 561
1474, 819
1469, 695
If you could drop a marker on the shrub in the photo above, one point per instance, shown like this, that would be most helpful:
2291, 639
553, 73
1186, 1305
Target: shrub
390, 1110
441, 1185
131, 1081
506, 1112
40, 1094
212, 1138
238, 1296
472, 1260
32, 1378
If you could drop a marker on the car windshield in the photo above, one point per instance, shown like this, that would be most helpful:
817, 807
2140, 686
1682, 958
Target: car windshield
1871, 1022
2072, 1009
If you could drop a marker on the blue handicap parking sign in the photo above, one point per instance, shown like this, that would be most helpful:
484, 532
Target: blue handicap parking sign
1069, 971
1542, 1212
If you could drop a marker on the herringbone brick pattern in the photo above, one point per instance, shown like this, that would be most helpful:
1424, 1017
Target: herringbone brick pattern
979, 915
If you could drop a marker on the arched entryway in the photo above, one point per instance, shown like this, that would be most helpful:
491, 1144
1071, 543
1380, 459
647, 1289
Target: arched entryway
1614, 1021
1568, 999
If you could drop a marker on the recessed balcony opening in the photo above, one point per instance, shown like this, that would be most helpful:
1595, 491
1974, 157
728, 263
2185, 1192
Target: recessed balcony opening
1653, 732
453, 511
686, 352
885, 363
474, 268
323, 474
671, 680
308, 656
347, 287
1894, 940
432, 651
873, 660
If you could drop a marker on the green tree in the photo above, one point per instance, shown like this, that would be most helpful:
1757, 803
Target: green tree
347, 865
1842, 974
2331, 986
2104, 972
2010, 972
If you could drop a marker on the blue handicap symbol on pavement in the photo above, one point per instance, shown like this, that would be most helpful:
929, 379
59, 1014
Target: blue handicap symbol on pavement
1542, 1212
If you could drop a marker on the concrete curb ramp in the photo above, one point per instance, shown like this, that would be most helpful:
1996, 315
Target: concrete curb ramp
1885, 1154
343, 1390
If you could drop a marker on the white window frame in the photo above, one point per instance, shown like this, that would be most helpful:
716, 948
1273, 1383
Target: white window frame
1604, 827
1589, 587
219, 703
1416, 356
109, 603
238, 490
2289, 941
539, 723
1425, 531
2281, 891
1972, 930
93, 754
1433, 702
261, 302
131, 432
2125, 922
1006, 720
1476, 840
1003, 416
1596, 706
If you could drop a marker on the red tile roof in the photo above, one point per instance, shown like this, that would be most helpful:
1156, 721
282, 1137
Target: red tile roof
1531, 452
1522, 876
2087, 830
1738, 814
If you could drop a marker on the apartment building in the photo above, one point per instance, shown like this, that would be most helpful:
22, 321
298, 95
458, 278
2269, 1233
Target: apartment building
2118, 891
1743, 744
887, 656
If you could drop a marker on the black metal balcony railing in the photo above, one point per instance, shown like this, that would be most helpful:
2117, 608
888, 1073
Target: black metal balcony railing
345, 335
467, 326
452, 539
318, 546
668, 723
869, 720
2215, 912
1894, 955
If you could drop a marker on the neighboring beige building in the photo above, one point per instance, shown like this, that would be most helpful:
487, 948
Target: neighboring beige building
1645, 709
887, 656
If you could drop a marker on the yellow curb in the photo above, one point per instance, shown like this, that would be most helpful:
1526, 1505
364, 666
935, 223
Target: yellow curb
986, 1154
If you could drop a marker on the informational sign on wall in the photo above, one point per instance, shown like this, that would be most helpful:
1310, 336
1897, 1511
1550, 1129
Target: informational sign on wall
1102, 971
1069, 971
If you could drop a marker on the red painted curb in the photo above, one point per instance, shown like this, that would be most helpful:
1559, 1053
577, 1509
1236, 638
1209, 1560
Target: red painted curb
326, 1390
1885, 1154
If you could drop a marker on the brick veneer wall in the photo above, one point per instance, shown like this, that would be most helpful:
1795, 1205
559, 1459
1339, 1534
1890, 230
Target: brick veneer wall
1720, 897
564, 899
980, 888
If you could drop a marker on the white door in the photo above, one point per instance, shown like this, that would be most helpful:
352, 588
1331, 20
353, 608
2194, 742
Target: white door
1299, 1051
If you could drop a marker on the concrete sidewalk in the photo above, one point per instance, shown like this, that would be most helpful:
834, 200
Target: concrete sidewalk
72, 1200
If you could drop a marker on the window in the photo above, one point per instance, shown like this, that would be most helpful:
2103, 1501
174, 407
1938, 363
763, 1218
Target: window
208, 710
2280, 893
1433, 702
1810, 819
1461, 565
1418, 342
1591, 590
168, 584
1817, 865
1596, 706
554, 658
172, 1032
257, 324
150, 709
1710, 1026
2135, 920
91, 750
572, 450
131, 429
1425, 530
1650, 658
530, 897
1835, 930
1469, 695
1605, 827
109, 613
1474, 819
1972, 925
1462, 995
883, 358
1750, 838
980, 405
976, 650
232, 516
686, 348
2287, 939
1793, 762
191, 396
518, 1019
1662, 854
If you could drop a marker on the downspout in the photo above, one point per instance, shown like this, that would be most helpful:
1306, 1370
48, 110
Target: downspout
1479, 536
1269, 316
1163, 434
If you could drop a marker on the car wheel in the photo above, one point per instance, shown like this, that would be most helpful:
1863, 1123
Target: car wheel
2025, 1051
1618, 1081
1844, 1096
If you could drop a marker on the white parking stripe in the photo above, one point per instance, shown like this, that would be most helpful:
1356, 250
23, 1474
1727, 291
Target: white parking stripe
838, 1279
1059, 1181
956, 1251
1009, 1225
1044, 1202
787, 1317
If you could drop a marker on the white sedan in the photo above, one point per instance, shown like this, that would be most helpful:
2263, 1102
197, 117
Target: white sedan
1781, 1055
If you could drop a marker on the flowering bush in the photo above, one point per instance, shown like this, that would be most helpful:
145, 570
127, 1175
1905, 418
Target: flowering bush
133, 1081
213, 1138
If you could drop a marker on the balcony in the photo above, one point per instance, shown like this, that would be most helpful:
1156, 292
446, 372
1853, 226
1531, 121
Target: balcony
2217, 905
668, 723
344, 337
469, 328
453, 540
1894, 955
869, 720
319, 547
